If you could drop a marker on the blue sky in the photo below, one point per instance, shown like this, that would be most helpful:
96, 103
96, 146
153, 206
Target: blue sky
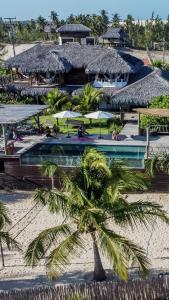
26, 9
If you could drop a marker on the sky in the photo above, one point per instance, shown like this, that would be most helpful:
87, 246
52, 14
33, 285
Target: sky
27, 9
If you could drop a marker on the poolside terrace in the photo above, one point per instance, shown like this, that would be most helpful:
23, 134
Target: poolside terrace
127, 137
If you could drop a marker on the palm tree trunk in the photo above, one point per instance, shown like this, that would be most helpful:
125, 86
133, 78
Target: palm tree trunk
2, 254
99, 272
53, 182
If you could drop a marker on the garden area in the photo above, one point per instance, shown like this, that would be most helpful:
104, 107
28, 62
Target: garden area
92, 127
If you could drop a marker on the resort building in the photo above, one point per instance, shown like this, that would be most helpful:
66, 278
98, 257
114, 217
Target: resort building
44, 67
125, 80
75, 33
116, 37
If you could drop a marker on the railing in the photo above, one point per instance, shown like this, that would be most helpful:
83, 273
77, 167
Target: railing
159, 128
157, 150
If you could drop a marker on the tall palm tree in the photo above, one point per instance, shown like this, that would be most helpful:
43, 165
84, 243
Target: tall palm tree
5, 237
88, 99
91, 201
56, 100
54, 18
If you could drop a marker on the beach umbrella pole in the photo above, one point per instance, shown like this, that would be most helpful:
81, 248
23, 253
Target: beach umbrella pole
100, 136
68, 135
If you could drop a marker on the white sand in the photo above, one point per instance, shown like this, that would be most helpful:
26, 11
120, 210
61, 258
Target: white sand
155, 240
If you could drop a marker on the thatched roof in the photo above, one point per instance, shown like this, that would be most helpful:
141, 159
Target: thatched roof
73, 28
40, 58
60, 59
115, 33
140, 93
158, 112
111, 62
50, 28
27, 90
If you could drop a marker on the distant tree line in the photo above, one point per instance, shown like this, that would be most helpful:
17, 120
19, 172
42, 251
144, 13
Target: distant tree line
140, 35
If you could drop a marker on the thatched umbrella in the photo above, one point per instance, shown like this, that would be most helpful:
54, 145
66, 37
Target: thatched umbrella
67, 114
99, 115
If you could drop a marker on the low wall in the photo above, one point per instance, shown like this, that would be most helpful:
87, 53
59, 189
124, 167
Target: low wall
33, 174
150, 289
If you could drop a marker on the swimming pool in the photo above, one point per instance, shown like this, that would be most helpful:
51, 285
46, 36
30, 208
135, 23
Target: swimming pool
68, 155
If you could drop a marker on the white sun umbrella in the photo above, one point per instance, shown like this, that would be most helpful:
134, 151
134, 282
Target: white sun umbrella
99, 115
67, 114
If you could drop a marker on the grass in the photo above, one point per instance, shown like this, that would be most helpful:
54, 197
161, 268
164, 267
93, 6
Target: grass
92, 129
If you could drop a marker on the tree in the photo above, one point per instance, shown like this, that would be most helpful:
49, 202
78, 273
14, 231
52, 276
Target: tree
89, 201
88, 99
41, 22
50, 169
116, 20
54, 18
105, 19
56, 100
130, 27
5, 237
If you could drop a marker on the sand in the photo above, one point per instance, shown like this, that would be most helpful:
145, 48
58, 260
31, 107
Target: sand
154, 239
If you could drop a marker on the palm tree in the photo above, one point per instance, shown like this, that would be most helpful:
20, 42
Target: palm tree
54, 18
50, 169
88, 99
115, 20
41, 22
56, 100
5, 237
91, 201
158, 163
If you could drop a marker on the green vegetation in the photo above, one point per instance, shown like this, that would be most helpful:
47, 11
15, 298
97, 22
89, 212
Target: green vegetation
5, 238
158, 163
160, 64
94, 128
88, 99
91, 201
140, 36
56, 101
157, 102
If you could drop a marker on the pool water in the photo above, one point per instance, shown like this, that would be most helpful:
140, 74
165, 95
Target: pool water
68, 155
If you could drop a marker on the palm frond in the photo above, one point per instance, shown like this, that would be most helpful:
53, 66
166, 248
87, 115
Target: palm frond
120, 250
152, 166
127, 180
136, 213
60, 257
9, 241
4, 219
55, 200
50, 169
39, 246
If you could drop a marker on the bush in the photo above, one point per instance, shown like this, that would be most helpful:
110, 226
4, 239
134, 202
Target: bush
157, 102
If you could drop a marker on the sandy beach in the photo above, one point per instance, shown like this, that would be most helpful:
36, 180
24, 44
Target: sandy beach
28, 220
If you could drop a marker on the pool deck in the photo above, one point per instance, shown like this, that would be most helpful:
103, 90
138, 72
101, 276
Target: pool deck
127, 137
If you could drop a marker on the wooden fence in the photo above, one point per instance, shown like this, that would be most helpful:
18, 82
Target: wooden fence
150, 289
